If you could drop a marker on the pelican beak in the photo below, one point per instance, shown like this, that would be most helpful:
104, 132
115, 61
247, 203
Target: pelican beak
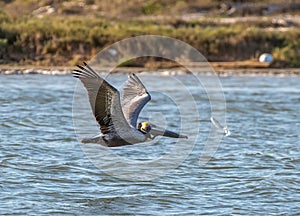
162, 132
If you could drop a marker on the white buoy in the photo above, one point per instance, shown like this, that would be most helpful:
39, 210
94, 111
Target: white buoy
266, 57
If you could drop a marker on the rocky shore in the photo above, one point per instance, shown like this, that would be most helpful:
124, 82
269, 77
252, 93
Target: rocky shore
163, 72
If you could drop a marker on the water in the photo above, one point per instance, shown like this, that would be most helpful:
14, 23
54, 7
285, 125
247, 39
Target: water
256, 170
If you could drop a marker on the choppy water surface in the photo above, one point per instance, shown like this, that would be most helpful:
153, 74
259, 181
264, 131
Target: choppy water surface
255, 171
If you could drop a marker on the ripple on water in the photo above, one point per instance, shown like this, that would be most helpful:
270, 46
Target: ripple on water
254, 171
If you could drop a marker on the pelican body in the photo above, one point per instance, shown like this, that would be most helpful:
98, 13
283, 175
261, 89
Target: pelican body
118, 119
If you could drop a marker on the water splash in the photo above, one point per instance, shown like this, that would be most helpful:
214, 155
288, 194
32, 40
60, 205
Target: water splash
218, 125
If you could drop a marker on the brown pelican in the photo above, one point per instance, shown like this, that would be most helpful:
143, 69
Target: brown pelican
118, 121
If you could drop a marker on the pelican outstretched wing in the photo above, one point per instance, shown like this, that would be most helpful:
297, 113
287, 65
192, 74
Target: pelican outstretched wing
135, 97
104, 100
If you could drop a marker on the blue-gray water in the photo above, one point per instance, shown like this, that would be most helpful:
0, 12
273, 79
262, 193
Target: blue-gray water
254, 171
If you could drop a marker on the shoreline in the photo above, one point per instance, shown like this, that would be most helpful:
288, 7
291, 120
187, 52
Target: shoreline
220, 71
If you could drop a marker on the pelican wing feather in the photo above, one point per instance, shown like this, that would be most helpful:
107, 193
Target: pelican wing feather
104, 100
135, 97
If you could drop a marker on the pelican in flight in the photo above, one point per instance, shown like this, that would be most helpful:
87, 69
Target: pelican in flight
118, 119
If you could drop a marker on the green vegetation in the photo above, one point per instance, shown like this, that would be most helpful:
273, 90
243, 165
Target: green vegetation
64, 39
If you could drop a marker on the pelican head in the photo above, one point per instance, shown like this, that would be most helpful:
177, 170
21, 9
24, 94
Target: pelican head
144, 127
152, 131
